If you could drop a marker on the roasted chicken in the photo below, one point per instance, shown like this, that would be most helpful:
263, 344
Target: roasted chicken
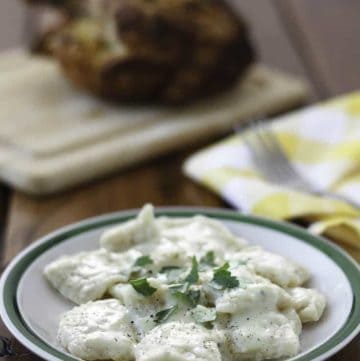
169, 51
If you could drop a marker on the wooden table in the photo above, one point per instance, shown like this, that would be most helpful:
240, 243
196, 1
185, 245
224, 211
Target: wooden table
318, 40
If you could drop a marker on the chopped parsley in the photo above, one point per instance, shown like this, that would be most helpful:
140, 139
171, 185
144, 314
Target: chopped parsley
208, 259
164, 315
194, 296
143, 261
184, 292
142, 286
223, 278
190, 297
181, 297
193, 276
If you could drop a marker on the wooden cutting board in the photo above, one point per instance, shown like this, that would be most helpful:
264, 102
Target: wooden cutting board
53, 137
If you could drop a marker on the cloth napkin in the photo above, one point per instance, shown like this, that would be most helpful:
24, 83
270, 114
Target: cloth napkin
323, 142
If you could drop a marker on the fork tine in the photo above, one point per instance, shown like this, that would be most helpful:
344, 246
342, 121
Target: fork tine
257, 154
274, 144
272, 159
268, 157
292, 172
272, 162
263, 156
275, 161
279, 162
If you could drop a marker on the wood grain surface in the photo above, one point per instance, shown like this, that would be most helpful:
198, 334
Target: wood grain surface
318, 40
4, 193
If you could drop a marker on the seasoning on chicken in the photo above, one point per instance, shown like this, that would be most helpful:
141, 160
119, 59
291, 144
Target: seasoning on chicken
167, 51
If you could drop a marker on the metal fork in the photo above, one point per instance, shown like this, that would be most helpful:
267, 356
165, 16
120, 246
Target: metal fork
272, 162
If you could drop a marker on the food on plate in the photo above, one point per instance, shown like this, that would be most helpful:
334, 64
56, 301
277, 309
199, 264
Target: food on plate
98, 331
181, 289
309, 303
171, 51
88, 275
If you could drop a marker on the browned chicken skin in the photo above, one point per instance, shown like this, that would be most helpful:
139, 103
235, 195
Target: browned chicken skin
170, 51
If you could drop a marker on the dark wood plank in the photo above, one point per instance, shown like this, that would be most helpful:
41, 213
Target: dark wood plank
350, 353
4, 203
326, 33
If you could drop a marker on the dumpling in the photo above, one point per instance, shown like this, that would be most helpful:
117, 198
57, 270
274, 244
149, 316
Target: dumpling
199, 235
309, 303
142, 307
98, 330
268, 335
176, 341
254, 297
129, 234
257, 318
276, 268
87, 276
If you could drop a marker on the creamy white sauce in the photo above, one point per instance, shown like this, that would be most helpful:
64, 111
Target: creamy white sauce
309, 303
88, 275
259, 317
176, 341
98, 330
278, 269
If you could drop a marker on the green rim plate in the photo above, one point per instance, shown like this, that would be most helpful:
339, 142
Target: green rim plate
11, 277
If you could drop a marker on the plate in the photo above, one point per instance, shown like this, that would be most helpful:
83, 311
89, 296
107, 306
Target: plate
30, 308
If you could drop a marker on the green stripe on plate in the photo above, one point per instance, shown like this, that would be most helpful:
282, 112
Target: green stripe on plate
12, 275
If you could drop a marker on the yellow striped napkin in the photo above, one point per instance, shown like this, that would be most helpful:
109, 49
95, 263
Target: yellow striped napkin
323, 142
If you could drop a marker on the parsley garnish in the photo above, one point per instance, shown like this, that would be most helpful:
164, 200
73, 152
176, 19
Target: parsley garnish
193, 276
181, 296
142, 286
222, 277
190, 297
164, 315
209, 259
194, 296
143, 261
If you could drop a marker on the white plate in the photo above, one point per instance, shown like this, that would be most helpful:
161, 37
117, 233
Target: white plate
31, 308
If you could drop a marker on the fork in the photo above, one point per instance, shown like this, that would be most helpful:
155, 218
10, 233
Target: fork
273, 163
